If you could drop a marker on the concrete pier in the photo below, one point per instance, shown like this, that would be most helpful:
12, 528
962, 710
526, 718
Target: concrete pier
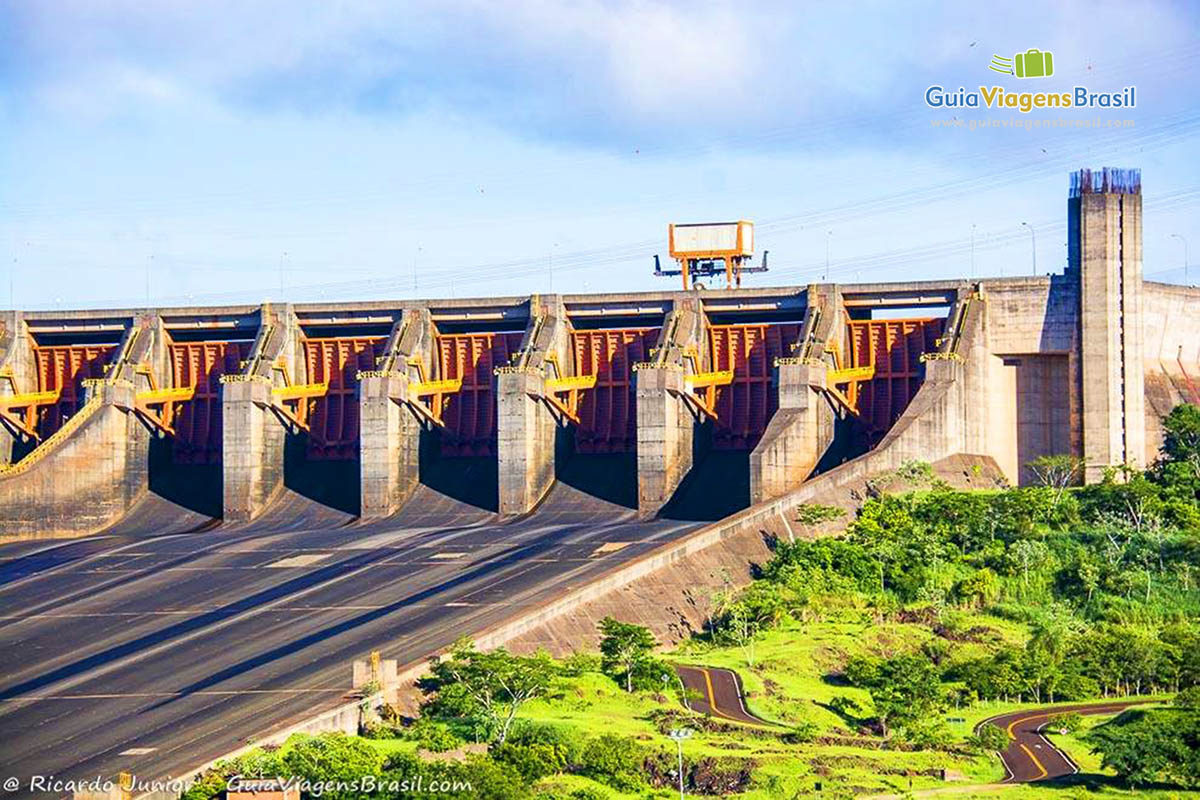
526, 424
253, 432
665, 422
390, 431
797, 436
802, 428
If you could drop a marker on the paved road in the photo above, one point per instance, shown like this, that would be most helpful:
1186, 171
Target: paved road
717, 692
1030, 755
154, 654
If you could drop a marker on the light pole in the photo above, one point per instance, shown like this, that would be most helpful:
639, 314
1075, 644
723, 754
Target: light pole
282, 256
1033, 240
1185, 256
678, 735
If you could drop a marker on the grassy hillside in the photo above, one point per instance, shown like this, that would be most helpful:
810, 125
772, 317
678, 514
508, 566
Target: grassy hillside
876, 654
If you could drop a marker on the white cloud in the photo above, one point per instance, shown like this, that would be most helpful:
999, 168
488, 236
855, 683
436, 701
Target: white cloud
619, 70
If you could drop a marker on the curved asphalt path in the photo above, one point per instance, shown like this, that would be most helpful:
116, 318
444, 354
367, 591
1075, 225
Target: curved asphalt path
1030, 755
154, 654
717, 692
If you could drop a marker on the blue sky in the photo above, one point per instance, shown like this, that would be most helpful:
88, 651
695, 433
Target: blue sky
215, 152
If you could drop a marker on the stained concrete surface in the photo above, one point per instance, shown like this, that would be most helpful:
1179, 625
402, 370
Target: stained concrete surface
186, 642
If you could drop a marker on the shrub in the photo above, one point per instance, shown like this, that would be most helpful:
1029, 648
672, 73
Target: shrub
537, 750
477, 778
432, 736
845, 706
207, 786
588, 793
1069, 722
612, 760
263, 762
915, 472
1188, 699
810, 514
577, 664
379, 730
330, 757
531, 761
989, 737
582, 793
927, 734
802, 732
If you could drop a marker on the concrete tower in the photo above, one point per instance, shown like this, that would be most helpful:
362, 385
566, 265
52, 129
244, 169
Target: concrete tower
1104, 231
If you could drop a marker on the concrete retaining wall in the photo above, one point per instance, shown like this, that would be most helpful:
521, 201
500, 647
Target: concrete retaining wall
672, 593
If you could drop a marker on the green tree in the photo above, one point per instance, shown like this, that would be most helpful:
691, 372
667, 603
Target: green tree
905, 689
623, 645
1028, 555
490, 687
331, 758
957, 517
977, 589
613, 760
1146, 746
1056, 473
1053, 636
759, 607
1181, 437
1087, 572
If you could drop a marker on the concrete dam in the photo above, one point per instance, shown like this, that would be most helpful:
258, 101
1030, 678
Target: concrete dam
689, 404
281, 489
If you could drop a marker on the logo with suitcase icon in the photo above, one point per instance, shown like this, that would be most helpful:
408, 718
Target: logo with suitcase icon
1033, 63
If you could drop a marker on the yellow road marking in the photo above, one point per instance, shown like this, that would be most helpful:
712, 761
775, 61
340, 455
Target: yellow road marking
1036, 763
1013, 724
712, 698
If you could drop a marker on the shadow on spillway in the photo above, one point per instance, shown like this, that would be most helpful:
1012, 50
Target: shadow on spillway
566, 512
454, 492
194, 488
333, 483
610, 478
717, 486
471, 482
